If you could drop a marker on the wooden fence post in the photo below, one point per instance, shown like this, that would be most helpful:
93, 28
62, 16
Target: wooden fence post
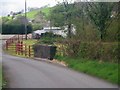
12, 40
6, 45
29, 52
16, 48
21, 47
18, 37
22, 36
25, 50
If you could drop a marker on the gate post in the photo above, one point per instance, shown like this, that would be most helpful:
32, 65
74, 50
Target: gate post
29, 51
6, 45
22, 47
25, 50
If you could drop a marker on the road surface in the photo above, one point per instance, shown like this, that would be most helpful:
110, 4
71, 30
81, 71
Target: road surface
28, 73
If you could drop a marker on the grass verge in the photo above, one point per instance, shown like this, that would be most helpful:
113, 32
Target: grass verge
0, 76
2, 80
30, 41
104, 70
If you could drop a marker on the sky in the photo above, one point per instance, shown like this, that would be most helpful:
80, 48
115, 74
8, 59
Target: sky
6, 6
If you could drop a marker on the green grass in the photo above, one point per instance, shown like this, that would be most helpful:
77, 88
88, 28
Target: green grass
2, 79
30, 41
32, 14
0, 76
104, 70
46, 11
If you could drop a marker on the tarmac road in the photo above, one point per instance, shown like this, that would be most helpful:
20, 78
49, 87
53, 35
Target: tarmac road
28, 73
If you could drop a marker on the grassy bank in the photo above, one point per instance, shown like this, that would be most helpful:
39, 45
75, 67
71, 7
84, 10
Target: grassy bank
2, 79
0, 76
104, 70
30, 41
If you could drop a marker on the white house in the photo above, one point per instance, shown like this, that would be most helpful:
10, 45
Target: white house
55, 30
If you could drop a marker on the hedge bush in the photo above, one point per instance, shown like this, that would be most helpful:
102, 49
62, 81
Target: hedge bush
15, 29
99, 50
104, 51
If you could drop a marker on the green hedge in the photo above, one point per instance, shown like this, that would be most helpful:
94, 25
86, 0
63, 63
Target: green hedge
99, 50
15, 29
49, 38
104, 51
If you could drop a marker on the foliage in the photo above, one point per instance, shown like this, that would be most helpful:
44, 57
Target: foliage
112, 33
56, 16
100, 13
36, 27
31, 14
49, 38
88, 18
15, 26
15, 29
39, 21
62, 15
4, 20
93, 22
102, 51
46, 11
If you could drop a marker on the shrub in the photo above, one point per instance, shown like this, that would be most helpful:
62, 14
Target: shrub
99, 50
37, 27
49, 38
104, 51
15, 29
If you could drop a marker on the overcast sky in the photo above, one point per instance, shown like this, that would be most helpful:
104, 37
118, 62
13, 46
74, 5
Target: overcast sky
16, 5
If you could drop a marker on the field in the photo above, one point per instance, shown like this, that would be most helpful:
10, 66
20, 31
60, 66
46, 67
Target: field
31, 14
46, 11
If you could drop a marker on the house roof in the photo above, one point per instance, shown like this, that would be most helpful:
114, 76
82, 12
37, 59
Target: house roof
53, 28
39, 31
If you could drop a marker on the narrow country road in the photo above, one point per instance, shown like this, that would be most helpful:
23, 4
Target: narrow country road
28, 73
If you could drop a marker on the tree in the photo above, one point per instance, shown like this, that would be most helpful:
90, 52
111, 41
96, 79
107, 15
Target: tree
4, 20
57, 17
100, 14
15, 26
39, 20
63, 15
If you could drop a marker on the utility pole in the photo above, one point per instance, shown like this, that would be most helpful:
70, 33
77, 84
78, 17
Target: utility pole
25, 20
